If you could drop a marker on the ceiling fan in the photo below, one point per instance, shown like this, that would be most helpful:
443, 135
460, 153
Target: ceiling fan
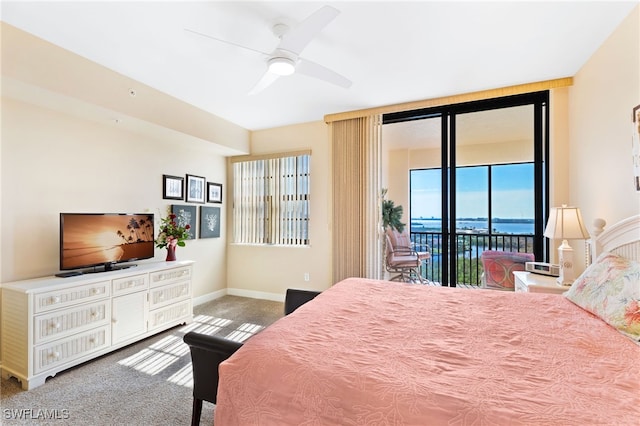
285, 59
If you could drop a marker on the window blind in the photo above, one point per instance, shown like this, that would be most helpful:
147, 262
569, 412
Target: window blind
271, 200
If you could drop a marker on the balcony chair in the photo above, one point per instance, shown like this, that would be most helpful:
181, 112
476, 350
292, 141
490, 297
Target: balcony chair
401, 257
499, 266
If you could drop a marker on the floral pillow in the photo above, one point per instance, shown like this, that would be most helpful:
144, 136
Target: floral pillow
610, 289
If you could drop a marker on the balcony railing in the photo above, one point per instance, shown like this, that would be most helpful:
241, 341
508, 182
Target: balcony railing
469, 248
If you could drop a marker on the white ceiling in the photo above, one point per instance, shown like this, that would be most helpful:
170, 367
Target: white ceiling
393, 52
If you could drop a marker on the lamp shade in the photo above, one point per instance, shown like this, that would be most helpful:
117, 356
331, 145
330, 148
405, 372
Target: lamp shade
565, 223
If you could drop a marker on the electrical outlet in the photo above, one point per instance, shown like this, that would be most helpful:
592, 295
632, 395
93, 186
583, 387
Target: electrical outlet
306, 276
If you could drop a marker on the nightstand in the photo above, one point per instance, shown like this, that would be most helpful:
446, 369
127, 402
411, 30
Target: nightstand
536, 283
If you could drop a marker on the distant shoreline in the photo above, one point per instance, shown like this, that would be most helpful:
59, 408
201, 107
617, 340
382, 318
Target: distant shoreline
481, 219
478, 225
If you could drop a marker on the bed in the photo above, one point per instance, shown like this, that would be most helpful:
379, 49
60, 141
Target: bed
368, 352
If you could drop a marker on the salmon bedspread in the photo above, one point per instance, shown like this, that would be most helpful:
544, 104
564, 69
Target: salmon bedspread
368, 352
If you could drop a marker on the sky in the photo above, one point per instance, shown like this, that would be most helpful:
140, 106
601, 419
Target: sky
512, 192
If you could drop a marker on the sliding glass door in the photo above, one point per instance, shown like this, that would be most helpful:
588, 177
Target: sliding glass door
482, 187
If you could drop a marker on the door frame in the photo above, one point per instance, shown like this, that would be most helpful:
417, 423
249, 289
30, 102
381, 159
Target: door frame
448, 114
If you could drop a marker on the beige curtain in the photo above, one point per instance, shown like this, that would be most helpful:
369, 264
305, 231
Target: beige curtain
356, 197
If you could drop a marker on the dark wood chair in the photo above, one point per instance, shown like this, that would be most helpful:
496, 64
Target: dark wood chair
296, 298
207, 352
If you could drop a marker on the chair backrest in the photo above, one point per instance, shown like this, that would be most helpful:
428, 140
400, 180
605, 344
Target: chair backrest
207, 352
295, 298
388, 249
499, 266
398, 239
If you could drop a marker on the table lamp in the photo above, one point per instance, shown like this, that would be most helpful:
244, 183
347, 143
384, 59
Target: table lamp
565, 223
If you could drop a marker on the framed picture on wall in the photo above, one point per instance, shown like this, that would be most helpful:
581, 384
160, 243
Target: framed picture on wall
214, 192
172, 187
195, 189
186, 215
209, 222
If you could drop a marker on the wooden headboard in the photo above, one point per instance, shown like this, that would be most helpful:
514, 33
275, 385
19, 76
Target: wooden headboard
622, 238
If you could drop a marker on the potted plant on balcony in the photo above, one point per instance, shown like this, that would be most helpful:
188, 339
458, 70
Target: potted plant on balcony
391, 218
391, 214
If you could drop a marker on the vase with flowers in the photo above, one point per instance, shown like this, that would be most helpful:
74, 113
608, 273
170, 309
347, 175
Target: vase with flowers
172, 233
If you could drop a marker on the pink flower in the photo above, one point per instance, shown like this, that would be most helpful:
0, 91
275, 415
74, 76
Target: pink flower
632, 313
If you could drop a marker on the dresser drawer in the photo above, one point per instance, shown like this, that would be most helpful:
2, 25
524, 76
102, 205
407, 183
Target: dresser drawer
45, 302
162, 296
171, 275
129, 284
69, 321
66, 350
162, 316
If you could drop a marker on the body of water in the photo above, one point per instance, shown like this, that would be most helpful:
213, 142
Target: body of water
476, 226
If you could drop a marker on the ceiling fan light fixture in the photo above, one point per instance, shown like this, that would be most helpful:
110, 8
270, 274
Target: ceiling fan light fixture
282, 66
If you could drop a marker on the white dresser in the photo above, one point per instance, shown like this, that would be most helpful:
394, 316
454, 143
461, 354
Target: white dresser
50, 324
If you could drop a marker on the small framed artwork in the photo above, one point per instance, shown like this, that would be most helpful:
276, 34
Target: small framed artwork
635, 147
172, 187
186, 215
195, 189
214, 192
209, 222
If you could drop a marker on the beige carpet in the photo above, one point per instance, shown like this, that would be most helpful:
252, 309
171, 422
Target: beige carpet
147, 383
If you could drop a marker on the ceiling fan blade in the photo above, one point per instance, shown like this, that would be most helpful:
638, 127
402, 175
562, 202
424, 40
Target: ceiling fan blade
297, 38
264, 82
225, 41
318, 71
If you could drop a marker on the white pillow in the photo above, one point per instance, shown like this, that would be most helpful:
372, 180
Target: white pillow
610, 289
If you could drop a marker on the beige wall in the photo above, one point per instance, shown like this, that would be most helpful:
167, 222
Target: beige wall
266, 271
54, 162
88, 89
605, 90
601, 100
558, 149
83, 144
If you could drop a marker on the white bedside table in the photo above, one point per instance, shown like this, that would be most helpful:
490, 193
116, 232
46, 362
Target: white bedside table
536, 283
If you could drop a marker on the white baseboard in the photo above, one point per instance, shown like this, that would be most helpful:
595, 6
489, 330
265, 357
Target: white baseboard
238, 292
256, 294
209, 297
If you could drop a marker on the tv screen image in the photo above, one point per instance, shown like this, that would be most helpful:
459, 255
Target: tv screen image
102, 239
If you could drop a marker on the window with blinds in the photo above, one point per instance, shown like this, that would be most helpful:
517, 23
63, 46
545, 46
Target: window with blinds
271, 200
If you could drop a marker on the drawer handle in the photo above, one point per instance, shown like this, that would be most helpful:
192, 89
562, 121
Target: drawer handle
53, 354
92, 340
55, 299
55, 325
93, 313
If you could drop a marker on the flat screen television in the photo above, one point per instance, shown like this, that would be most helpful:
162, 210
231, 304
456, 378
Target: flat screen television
102, 240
